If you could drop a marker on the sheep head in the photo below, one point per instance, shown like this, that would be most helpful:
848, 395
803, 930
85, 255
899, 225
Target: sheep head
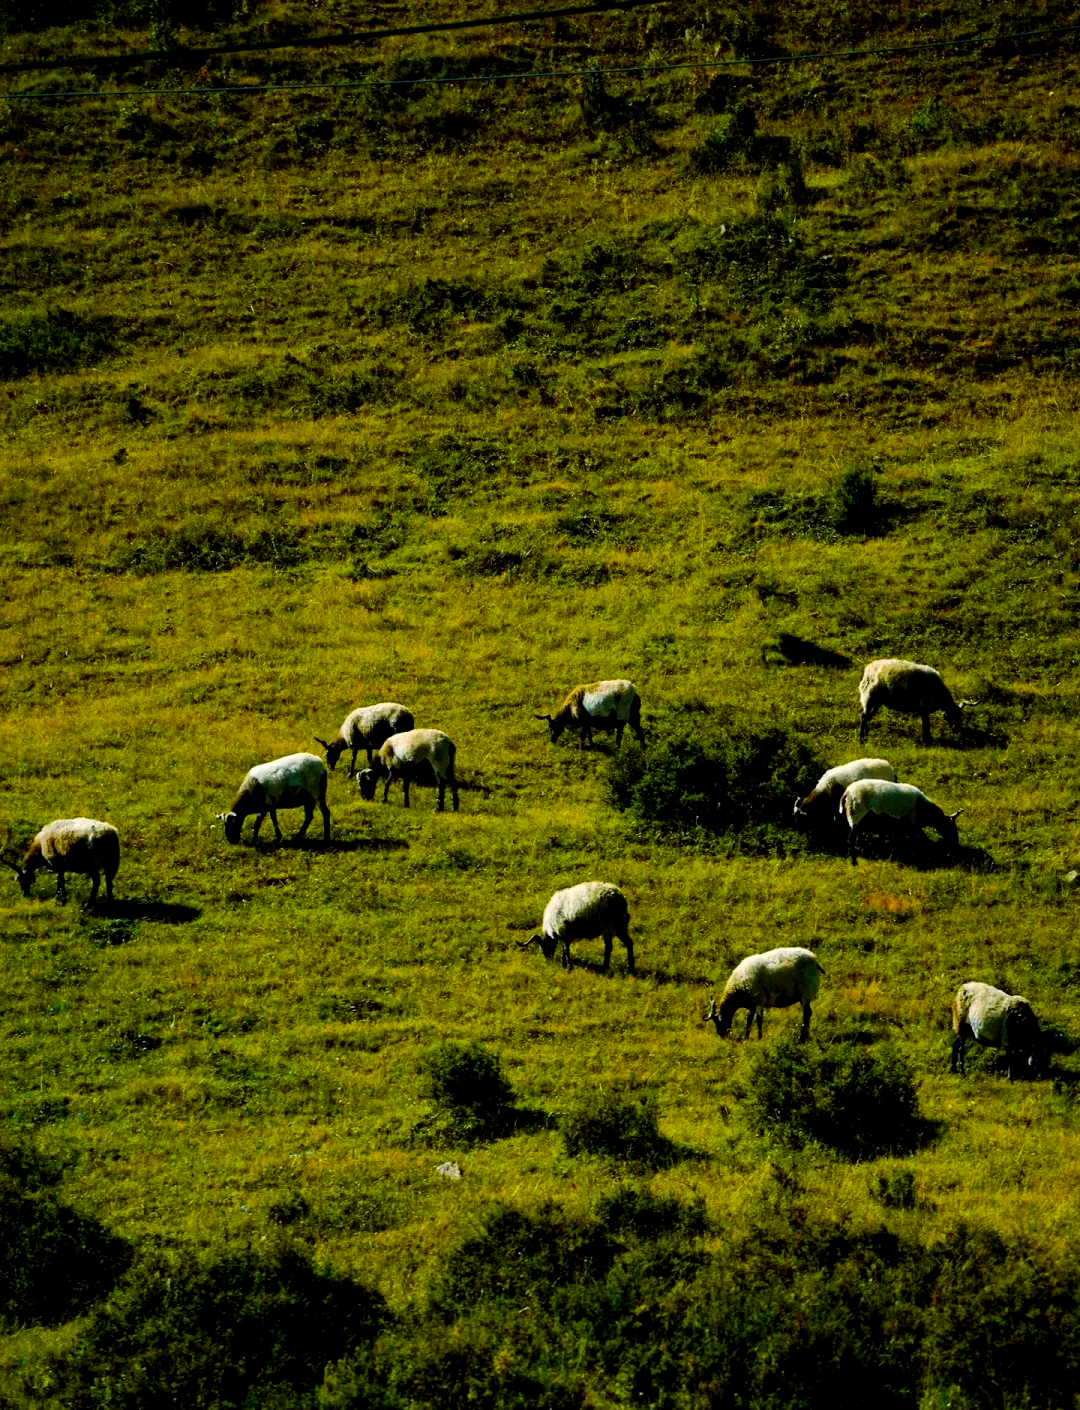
547, 945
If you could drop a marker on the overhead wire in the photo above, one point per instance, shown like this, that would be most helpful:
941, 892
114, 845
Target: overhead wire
254, 89
174, 55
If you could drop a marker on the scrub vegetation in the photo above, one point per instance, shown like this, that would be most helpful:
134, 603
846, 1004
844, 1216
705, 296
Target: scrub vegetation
724, 379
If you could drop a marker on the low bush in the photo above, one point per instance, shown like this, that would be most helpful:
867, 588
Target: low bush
57, 341
856, 508
858, 1099
617, 1125
241, 1330
733, 778
520, 1258
472, 1098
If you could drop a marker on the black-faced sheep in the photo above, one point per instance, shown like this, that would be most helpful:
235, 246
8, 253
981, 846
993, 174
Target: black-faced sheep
367, 728
773, 980
822, 802
906, 806
294, 781
997, 1020
910, 689
414, 757
78, 845
583, 912
603, 705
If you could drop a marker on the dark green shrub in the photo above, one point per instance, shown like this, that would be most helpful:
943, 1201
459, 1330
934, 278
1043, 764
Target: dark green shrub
238, 1331
644, 1215
54, 1261
57, 341
731, 139
719, 779
896, 1190
473, 1100
856, 507
521, 1258
856, 1098
618, 1125
760, 261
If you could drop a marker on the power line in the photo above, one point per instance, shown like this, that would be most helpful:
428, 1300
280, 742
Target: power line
254, 89
187, 58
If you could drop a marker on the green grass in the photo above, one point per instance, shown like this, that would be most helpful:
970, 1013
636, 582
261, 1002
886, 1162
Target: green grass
459, 397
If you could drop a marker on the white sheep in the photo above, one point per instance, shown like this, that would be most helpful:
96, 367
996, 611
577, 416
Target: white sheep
366, 728
774, 980
603, 705
294, 781
910, 689
583, 912
907, 806
997, 1020
78, 845
822, 801
414, 757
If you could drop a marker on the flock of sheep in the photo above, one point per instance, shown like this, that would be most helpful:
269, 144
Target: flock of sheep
780, 978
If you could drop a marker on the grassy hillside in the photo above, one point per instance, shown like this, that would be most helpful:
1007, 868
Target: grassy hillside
725, 379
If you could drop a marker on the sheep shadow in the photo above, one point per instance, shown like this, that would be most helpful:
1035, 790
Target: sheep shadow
796, 651
150, 908
335, 846
914, 849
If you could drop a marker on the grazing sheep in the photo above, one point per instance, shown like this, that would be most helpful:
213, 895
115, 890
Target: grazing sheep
774, 980
910, 689
603, 705
414, 757
78, 845
581, 913
829, 789
907, 806
294, 781
997, 1020
366, 728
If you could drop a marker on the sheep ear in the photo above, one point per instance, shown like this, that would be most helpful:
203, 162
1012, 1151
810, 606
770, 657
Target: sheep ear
954, 816
542, 717
220, 817
321, 741
524, 944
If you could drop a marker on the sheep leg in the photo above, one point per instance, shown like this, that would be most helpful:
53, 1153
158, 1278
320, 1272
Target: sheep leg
352, 766
749, 1021
805, 1034
273, 819
566, 955
95, 880
956, 1063
309, 813
607, 952
325, 819
867, 715
625, 938
61, 889
760, 1016
454, 791
851, 848
404, 787
620, 725
258, 823
926, 729
440, 806
108, 885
